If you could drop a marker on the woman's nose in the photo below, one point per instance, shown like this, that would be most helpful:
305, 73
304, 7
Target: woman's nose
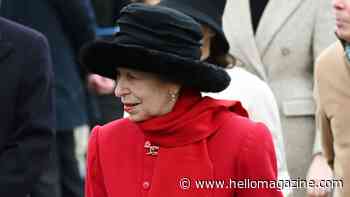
121, 88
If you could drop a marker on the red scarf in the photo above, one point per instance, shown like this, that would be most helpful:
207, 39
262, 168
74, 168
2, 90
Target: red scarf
182, 137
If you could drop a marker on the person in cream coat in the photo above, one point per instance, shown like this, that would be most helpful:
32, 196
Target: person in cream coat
278, 40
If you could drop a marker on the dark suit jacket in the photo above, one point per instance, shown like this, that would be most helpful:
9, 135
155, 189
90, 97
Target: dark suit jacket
67, 25
26, 108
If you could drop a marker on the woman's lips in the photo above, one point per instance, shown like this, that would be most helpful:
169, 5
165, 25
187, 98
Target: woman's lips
129, 107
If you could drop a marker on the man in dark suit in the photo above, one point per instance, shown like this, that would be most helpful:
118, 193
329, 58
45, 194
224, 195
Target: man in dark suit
67, 26
26, 108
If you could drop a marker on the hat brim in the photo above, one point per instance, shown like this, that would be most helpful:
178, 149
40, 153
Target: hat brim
104, 57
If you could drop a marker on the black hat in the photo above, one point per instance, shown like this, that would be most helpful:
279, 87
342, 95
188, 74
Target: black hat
208, 12
159, 40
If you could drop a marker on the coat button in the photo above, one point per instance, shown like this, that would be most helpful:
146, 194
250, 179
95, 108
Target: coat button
285, 51
146, 185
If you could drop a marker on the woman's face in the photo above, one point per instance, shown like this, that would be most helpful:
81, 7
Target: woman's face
144, 95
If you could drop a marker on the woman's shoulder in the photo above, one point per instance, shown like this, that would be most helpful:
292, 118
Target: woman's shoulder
249, 136
239, 136
240, 127
119, 123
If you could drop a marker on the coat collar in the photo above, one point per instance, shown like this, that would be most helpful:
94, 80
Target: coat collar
239, 30
274, 17
345, 56
252, 48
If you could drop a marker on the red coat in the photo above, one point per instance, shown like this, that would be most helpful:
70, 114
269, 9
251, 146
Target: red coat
118, 163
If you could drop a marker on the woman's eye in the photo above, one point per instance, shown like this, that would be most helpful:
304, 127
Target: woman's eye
131, 76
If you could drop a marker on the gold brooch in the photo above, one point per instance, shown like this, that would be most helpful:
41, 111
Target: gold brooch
152, 150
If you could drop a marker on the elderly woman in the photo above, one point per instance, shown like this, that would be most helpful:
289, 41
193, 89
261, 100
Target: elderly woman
173, 140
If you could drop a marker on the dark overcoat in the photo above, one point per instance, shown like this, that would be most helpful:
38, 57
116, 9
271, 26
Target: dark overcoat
26, 108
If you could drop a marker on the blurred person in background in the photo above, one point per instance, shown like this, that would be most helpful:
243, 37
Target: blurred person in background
332, 93
67, 26
279, 40
27, 117
109, 106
